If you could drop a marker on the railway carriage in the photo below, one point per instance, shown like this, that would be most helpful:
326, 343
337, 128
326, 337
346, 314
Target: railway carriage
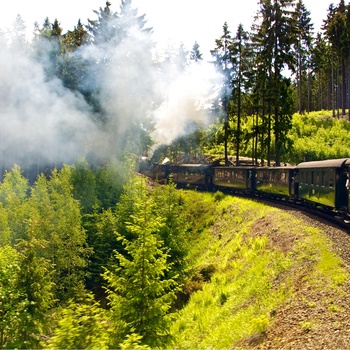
316, 184
274, 181
191, 175
234, 179
323, 183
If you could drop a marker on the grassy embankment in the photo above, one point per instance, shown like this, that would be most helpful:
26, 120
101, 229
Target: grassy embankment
248, 259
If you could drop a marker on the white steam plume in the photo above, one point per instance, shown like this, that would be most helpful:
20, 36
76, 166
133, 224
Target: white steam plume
41, 121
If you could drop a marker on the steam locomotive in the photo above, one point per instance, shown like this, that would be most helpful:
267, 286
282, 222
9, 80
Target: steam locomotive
318, 184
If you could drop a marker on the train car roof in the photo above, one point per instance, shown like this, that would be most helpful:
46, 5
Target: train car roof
289, 167
191, 165
230, 167
329, 163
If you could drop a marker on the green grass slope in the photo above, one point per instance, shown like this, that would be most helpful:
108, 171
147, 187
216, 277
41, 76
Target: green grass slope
248, 260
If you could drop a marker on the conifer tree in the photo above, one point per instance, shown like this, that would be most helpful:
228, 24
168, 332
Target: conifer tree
337, 33
13, 196
61, 226
195, 54
35, 286
241, 64
274, 36
303, 47
223, 60
18, 39
140, 294
10, 296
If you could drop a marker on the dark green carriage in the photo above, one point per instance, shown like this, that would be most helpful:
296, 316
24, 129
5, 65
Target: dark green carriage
238, 179
323, 182
274, 181
191, 175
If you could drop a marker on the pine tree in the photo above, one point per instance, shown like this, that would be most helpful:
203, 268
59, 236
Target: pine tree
274, 36
241, 63
13, 196
35, 286
140, 293
10, 296
321, 66
337, 33
195, 54
61, 226
303, 48
18, 39
74, 68
223, 60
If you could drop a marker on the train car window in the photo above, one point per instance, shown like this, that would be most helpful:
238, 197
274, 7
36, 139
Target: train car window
317, 178
312, 180
283, 176
306, 177
331, 183
323, 178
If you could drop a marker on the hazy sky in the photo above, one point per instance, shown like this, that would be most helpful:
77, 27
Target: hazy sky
173, 21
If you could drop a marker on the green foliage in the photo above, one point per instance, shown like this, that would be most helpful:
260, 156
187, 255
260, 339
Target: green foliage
249, 271
97, 187
14, 211
101, 229
59, 222
10, 297
25, 294
317, 136
170, 206
83, 180
36, 288
140, 293
82, 325
5, 232
14, 187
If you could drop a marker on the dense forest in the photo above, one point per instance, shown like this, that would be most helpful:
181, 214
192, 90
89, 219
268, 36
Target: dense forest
92, 255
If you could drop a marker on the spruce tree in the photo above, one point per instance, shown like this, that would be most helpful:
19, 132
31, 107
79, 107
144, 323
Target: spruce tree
303, 48
223, 60
139, 290
273, 38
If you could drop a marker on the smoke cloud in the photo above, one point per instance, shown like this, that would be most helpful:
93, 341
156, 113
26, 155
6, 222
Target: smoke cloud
44, 123
40, 120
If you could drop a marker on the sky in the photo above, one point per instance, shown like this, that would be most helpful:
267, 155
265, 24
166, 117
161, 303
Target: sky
173, 21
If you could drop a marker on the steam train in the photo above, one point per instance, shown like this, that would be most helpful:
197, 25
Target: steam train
319, 185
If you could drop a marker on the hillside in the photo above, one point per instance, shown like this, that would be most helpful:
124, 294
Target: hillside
263, 278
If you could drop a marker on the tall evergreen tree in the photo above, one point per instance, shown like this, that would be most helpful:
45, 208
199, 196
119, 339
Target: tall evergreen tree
338, 35
18, 39
140, 293
321, 67
74, 68
303, 49
61, 226
195, 54
223, 60
275, 35
48, 47
239, 55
